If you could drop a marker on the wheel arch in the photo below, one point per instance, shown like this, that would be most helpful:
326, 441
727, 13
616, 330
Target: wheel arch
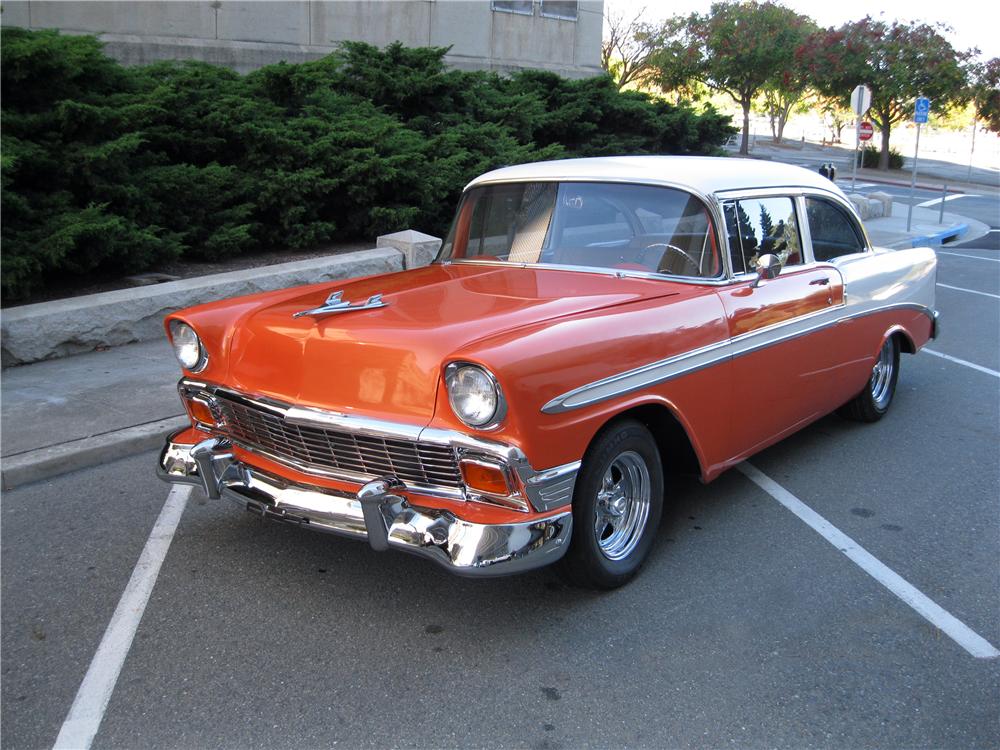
678, 452
903, 337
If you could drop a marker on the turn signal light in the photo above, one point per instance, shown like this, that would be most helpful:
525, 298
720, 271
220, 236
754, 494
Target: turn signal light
485, 477
201, 412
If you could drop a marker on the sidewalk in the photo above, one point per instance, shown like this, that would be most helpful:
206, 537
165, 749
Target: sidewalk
890, 231
70, 413
65, 414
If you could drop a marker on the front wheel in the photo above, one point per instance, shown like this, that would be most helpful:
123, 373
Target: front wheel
617, 504
873, 402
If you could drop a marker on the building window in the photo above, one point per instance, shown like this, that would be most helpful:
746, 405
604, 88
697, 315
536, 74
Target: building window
521, 7
564, 9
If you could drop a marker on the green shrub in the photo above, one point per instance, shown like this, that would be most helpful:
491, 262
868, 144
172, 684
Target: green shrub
869, 156
111, 169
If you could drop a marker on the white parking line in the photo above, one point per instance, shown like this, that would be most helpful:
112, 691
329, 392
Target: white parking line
958, 361
974, 257
970, 291
947, 623
87, 711
936, 201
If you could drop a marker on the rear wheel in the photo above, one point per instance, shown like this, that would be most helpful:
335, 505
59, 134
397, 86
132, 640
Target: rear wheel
873, 402
617, 506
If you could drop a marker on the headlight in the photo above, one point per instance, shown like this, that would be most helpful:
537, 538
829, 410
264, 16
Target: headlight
187, 346
474, 395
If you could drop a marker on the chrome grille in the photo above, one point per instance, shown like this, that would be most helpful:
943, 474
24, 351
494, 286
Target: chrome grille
264, 431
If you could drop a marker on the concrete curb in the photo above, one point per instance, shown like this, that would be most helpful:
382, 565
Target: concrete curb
43, 463
939, 238
48, 330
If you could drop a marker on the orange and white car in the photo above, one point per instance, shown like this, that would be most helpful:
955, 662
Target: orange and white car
589, 326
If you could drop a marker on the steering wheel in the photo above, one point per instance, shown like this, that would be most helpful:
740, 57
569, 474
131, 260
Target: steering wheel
673, 249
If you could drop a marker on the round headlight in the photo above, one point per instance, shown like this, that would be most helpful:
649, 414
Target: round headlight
474, 395
187, 346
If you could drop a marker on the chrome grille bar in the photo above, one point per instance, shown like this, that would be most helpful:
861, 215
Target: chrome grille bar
261, 428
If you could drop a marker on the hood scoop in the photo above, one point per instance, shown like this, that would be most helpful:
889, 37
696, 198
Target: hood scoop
336, 304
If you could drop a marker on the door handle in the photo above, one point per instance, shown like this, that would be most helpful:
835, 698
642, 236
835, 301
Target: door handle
819, 282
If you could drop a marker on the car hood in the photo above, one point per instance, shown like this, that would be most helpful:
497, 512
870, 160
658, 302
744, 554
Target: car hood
388, 361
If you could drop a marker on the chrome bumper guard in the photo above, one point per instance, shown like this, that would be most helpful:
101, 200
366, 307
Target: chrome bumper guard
378, 512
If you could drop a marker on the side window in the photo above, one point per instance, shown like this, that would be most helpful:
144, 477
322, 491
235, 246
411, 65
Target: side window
833, 232
761, 226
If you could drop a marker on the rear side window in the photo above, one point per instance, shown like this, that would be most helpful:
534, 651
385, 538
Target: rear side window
833, 231
762, 226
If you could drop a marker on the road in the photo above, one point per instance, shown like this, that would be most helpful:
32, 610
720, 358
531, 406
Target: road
746, 628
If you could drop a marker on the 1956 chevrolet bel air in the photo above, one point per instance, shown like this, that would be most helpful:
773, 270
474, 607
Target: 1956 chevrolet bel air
589, 327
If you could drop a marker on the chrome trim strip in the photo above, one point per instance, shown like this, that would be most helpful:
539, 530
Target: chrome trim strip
706, 356
552, 489
312, 417
641, 377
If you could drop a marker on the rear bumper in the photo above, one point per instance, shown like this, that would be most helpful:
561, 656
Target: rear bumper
379, 512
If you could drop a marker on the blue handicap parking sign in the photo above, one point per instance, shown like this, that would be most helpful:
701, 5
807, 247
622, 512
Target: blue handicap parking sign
921, 109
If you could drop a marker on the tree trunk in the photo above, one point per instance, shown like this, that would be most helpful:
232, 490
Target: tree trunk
745, 144
783, 115
883, 157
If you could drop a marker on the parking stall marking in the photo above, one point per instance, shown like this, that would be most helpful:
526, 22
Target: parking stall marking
958, 361
91, 701
974, 257
936, 201
940, 618
970, 291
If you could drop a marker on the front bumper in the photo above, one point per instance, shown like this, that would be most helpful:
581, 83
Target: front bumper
379, 512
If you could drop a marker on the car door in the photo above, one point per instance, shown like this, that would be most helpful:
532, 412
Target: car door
781, 329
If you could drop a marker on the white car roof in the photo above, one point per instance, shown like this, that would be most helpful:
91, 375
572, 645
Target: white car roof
706, 174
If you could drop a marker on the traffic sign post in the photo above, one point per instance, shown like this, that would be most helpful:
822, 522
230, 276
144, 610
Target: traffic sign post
921, 109
861, 101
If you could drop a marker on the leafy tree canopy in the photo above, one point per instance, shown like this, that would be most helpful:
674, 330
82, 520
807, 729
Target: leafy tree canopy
898, 62
736, 48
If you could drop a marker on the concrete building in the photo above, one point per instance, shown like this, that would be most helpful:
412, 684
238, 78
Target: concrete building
563, 36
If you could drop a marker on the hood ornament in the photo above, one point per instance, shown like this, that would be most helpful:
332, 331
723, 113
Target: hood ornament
336, 304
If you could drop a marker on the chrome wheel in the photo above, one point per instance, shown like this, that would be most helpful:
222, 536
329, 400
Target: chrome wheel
882, 375
622, 507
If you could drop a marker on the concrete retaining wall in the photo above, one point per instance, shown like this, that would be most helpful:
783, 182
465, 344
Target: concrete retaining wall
80, 324
246, 35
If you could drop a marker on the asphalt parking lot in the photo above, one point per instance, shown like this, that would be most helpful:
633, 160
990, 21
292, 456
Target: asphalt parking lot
747, 627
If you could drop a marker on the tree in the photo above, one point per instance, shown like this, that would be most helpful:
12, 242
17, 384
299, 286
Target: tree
737, 48
898, 62
788, 87
986, 93
627, 49
835, 114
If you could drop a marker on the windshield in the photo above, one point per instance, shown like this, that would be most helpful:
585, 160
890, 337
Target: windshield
585, 224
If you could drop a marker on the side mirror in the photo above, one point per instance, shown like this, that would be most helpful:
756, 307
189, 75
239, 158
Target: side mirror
768, 266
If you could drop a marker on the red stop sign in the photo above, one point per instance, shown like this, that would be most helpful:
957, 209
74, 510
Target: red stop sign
866, 131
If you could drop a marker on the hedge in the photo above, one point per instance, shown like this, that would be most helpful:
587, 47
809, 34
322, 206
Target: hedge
111, 169
868, 156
